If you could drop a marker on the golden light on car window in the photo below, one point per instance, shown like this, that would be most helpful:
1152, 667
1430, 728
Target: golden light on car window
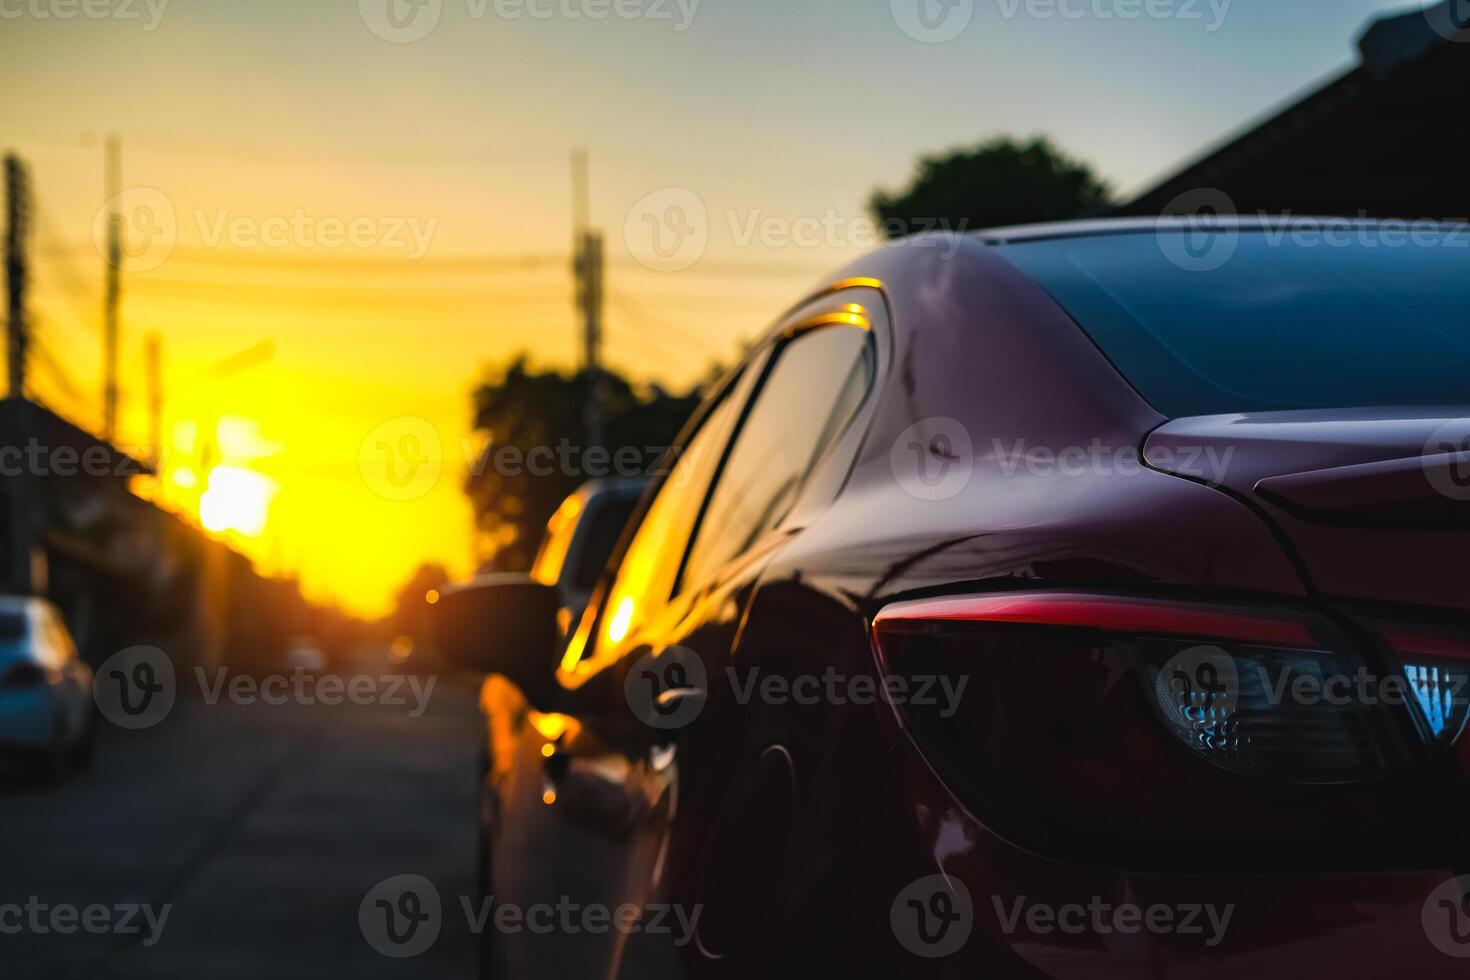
550, 726
622, 621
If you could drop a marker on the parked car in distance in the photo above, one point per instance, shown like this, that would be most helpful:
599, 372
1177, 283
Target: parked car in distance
580, 538
47, 715
1022, 596
305, 653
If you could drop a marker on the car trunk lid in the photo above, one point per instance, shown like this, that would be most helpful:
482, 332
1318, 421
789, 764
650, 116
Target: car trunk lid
1375, 502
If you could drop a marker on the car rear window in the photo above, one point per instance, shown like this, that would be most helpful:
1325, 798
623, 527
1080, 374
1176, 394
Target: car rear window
1216, 321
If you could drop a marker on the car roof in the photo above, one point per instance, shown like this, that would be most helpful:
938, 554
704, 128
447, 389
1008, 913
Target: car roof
1088, 227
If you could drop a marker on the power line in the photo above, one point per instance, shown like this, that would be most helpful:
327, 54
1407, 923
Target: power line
471, 263
168, 283
45, 284
733, 267
78, 403
640, 319
46, 358
245, 298
68, 282
700, 300
365, 260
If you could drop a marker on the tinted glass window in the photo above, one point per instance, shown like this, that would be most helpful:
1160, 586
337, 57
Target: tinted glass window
816, 385
1210, 322
13, 645
605, 526
645, 578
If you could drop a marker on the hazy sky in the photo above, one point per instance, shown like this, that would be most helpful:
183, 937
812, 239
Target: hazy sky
318, 179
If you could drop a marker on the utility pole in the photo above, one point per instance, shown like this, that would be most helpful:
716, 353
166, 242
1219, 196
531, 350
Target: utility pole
591, 299
20, 569
153, 355
588, 269
17, 235
113, 292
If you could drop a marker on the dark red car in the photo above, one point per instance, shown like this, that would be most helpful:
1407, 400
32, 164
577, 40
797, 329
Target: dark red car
1066, 601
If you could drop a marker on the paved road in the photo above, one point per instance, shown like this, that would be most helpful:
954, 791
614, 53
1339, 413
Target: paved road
261, 828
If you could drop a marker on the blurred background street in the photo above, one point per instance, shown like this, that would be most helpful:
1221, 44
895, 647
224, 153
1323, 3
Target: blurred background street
314, 311
263, 827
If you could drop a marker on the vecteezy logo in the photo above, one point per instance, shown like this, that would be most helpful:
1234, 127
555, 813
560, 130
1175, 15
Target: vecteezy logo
933, 459
137, 229
1205, 239
1446, 917
401, 917
667, 690
668, 230
932, 21
402, 458
135, 688
1446, 459
1199, 689
401, 21
932, 917
1450, 20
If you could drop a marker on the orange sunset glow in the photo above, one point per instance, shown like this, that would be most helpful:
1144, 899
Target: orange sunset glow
353, 238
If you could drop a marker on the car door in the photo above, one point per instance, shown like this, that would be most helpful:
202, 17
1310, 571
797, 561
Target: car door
578, 799
735, 780
652, 650
749, 762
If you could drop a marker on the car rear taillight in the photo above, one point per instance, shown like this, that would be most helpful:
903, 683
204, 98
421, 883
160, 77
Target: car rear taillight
1436, 664
22, 675
1275, 713
1164, 735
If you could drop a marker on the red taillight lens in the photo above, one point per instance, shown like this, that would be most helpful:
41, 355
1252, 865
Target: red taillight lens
1158, 735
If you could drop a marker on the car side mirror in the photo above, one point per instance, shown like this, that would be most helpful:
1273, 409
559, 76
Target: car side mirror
503, 624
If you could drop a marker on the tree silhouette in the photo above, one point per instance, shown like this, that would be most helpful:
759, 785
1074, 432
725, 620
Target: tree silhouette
520, 410
999, 182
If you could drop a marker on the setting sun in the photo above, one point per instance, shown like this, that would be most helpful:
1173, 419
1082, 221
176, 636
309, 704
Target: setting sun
237, 500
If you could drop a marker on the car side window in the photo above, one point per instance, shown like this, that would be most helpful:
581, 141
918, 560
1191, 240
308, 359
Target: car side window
645, 577
809, 396
601, 537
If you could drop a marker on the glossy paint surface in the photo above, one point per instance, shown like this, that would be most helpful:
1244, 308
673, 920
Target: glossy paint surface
791, 827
